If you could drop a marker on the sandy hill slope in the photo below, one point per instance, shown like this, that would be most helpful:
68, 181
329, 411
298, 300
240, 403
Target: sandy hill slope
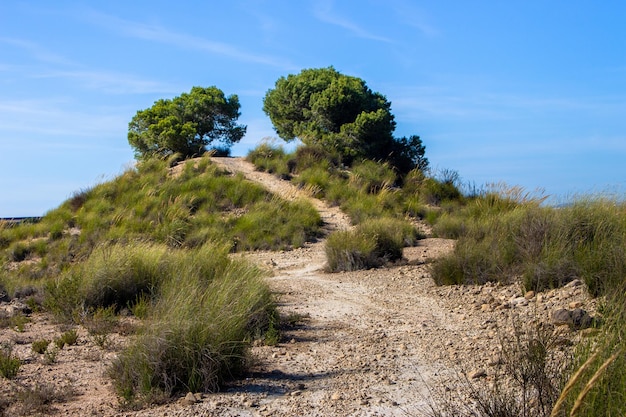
369, 343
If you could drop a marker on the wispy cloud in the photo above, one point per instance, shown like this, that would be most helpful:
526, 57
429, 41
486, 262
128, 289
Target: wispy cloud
410, 15
56, 66
112, 82
323, 10
36, 51
442, 102
160, 34
56, 117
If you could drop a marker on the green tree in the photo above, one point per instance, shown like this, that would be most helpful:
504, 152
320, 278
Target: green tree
186, 124
409, 153
325, 108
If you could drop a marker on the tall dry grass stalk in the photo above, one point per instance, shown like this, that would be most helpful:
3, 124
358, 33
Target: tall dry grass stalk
590, 384
570, 385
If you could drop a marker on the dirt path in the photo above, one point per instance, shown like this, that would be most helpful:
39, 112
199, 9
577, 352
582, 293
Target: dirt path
367, 343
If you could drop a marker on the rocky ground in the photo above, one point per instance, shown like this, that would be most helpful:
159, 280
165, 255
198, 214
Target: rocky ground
383, 342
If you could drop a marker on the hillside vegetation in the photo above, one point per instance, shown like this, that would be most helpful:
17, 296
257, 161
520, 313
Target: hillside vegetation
155, 242
503, 235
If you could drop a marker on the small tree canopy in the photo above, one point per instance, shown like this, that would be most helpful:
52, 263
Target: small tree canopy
186, 124
325, 108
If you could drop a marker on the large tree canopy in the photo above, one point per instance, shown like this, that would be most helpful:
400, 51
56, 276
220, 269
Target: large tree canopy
186, 124
340, 112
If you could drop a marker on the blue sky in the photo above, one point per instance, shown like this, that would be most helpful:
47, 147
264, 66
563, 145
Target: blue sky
532, 93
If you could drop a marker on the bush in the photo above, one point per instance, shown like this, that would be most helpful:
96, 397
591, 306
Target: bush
19, 251
500, 239
350, 251
9, 364
276, 224
198, 330
69, 338
40, 346
369, 245
270, 158
526, 382
113, 276
372, 177
314, 156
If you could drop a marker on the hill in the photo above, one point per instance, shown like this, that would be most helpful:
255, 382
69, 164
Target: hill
384, 341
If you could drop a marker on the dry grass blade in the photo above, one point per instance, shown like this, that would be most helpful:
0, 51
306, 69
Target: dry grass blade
570, 384
591, 383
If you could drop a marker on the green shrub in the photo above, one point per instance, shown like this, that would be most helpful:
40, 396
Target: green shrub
100, 324
198, 329
501, 238
19, 251
315, 179
314, 156
372, 177
369, 245
9, 364
276, 224
435, 192
62, 296
69, 338
449, 226
350, 251
270, 158
40, 346
113, 276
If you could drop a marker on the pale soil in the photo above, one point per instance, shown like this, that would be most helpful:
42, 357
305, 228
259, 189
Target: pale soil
370, 343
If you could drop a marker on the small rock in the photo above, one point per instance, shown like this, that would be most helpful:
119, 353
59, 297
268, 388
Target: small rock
485, 308
518, 301
575, 304
529, 295
479, 373
189, 399
581, 319
336, 396
495, 360
574, 283
296, 393
561, 316
576, 318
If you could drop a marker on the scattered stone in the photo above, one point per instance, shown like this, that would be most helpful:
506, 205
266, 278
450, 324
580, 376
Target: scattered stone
581, 319
574, 283
577, 318
336, 396
529, 295
575, 304
518, 301
479, 373
495, 360
561, 316
189, 399
15, 307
